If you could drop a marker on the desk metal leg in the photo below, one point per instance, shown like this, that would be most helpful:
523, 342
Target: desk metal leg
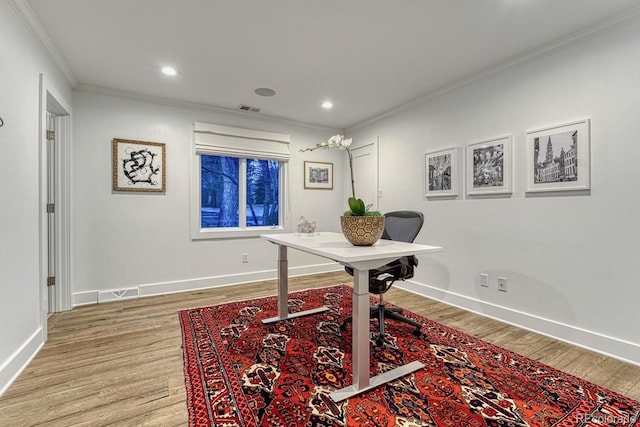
360, 340
361, 381
283, 282
283, 291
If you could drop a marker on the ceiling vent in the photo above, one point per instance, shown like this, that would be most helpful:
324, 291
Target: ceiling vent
249, 108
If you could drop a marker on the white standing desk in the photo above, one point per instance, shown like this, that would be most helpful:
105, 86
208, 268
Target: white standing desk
334, 246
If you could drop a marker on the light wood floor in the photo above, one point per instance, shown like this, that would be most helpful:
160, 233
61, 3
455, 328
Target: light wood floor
121, 363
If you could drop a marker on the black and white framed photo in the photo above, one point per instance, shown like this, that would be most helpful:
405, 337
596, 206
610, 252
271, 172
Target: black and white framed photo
558, 158
490, 167
318, 175
441, 173
138, 166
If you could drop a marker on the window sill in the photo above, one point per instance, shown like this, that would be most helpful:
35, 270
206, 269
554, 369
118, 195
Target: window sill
234, 233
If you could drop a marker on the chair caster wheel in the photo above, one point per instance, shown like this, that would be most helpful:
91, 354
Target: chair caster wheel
379, 341
417, 332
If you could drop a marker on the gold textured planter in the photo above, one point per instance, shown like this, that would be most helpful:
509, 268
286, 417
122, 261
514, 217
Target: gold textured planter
362, 230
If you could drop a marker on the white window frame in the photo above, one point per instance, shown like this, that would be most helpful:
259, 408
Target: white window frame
217, 140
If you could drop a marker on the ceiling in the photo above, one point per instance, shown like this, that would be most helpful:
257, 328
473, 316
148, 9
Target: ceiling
367, 56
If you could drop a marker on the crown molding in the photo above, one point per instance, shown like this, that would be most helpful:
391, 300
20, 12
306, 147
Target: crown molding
170, 102
31, 21
598, 28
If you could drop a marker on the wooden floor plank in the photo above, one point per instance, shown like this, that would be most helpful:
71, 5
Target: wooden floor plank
121, 363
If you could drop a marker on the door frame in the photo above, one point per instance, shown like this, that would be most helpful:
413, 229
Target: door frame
52, 101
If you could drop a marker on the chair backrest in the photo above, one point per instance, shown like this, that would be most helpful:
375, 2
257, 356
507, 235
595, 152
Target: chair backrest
402, 226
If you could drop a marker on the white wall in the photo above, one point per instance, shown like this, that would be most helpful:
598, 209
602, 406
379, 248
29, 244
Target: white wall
21, 328
141, 241
571, 261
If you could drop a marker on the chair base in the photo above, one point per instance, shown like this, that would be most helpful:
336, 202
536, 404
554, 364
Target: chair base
381, 312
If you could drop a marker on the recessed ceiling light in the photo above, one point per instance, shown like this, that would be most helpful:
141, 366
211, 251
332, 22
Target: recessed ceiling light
265, 91
327, 105
169, 71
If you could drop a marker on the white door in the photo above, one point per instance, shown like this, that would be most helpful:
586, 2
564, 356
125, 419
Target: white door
365, 172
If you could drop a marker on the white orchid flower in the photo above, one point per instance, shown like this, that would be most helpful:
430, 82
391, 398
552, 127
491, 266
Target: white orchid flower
335, 140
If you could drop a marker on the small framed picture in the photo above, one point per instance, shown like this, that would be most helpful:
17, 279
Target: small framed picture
441, 173
558, 158
318, 175
138, 166
490, 167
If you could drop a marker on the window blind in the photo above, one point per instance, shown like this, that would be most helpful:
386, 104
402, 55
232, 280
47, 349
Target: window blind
211, 139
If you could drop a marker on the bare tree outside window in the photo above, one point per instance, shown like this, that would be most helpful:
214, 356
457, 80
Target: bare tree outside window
220, 196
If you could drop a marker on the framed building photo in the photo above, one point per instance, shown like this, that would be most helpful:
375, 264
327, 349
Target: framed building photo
138, 166
441, 173
318, 175
490, 167
557, 158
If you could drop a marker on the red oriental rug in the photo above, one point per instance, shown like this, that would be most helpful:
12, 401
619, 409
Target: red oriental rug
240, 372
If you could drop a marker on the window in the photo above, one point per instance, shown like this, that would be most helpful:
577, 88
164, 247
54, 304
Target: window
221, 181
239, 177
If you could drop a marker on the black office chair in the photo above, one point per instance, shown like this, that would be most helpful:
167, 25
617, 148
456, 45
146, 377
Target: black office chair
402, 226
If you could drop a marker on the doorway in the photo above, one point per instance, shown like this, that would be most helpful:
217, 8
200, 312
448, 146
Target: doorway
55, 263
51, 211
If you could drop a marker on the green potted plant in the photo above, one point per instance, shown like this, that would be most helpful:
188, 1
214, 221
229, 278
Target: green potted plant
360, 225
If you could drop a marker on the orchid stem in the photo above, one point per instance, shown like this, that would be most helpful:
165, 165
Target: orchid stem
353, 186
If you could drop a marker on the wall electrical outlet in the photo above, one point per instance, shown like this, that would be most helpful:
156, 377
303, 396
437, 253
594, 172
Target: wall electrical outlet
484, 280
502, 284
245, 258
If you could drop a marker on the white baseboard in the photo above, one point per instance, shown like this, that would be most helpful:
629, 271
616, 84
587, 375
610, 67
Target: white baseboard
609, 346
85, 298
162, 288
18, 361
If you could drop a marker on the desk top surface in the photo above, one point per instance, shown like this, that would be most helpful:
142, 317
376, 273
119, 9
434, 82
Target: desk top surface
334, 246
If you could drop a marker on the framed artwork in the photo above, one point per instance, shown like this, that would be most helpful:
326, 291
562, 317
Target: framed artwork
441, 173
490, 167
558, 158
138, 166
318, 175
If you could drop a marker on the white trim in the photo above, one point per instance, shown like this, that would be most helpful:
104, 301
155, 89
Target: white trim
43, 261
623, 350
169, 102
623, 18
186, 285
63, 226
31, 21
85, 298
51, 100
20, 359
